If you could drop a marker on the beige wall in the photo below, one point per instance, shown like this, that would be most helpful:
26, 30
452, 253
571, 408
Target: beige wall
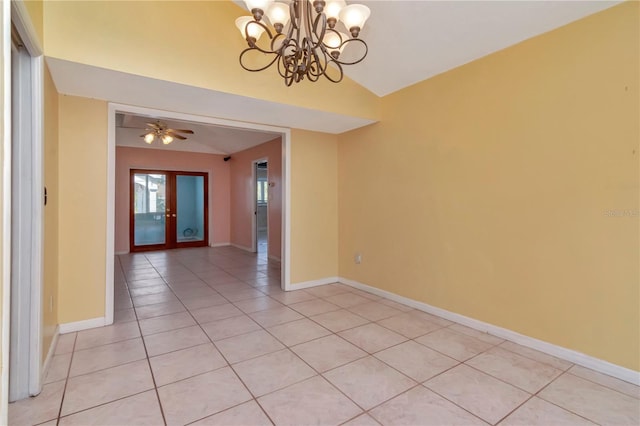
201, 49
486, 190
314, 206
50, 282
82, 181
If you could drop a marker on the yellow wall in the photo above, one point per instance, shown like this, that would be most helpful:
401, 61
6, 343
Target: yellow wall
485, 190
314, 206
50, 283
82, 187
35, 10
189, 42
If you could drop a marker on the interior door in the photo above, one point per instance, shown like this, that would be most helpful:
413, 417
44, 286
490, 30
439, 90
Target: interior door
189, 220
150, 211
168, 210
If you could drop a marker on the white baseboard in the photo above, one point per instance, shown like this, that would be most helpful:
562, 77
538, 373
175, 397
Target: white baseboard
50, 353
122, 252
249, 249
570, 355
219, 244
71, 327
313, 283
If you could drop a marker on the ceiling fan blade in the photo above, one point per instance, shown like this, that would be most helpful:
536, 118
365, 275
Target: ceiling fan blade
142, 136
177, 136
187, 131
154, 125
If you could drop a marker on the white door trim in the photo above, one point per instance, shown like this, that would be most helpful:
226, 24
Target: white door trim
29, 257
6, 206
113, 108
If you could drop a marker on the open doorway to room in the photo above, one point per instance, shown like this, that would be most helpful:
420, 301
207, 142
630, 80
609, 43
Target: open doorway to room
261, 223
223, 152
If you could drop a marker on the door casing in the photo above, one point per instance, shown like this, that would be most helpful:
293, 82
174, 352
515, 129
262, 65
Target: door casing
23, 215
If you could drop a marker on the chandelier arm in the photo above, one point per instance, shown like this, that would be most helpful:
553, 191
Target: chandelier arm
250, 49
323, 27
318, 65
276, 38
339, 67
286, 67
314, 70
294, 11
364, 55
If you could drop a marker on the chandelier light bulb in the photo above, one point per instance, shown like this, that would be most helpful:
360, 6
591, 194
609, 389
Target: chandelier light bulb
254, 31
149, 137
332, 10
333, 40
354, 16
258, 7
167, 139
278, 14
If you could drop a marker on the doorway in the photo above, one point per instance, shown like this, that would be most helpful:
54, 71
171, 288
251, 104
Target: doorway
168, 210
261, 225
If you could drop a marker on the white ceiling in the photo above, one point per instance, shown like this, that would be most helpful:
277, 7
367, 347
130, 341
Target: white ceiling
409, 41
206, 138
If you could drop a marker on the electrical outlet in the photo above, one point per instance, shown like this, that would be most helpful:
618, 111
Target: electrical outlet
357, 258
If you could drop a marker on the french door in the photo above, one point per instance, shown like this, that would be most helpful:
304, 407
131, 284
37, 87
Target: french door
168, 210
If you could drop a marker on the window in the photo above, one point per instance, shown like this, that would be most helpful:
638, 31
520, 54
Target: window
263, 191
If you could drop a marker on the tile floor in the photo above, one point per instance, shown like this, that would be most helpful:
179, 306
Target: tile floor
206, 337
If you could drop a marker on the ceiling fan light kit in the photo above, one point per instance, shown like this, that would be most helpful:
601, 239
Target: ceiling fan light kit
159, 130
304, 37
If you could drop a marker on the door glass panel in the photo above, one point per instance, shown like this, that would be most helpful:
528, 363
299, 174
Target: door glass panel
149, 208
190, 208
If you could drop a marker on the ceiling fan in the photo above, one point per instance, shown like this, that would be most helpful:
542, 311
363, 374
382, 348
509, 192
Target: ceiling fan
165, 134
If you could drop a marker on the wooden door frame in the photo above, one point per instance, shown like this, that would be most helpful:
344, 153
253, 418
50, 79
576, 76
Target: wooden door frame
171, 238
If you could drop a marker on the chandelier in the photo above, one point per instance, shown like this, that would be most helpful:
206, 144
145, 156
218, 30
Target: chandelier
304, 38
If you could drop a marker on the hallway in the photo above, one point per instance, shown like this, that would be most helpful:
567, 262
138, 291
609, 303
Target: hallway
206, 336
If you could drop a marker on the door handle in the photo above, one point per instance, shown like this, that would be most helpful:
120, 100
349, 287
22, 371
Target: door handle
168, 215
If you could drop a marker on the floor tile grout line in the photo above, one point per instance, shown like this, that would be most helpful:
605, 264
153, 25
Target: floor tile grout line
66, 381
421, 385
102, 404
534, 359
153, 378
567, 371
538, 395
223, 357
460, 406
